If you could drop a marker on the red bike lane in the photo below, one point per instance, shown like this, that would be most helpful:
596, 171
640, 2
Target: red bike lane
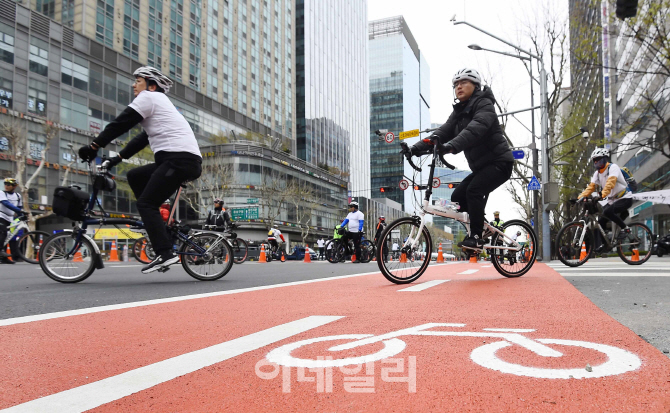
477, 342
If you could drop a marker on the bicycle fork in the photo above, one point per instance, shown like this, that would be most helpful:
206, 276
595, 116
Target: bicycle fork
507, 334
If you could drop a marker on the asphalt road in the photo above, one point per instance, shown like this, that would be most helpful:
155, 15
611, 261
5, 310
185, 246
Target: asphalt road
637, 297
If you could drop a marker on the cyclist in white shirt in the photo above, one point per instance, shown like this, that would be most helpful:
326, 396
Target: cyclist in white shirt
10, 204
175, 148
354, 224
321, 244
274, 235
613, 186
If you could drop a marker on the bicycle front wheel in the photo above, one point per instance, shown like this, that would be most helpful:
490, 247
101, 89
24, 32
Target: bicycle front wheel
139, 245
29, 245
240, 250
331, 251
405, 232
206, 257
513, 263
62, 264
635, 248
569, 249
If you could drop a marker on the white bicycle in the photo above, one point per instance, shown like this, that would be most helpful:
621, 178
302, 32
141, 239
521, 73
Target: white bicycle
27, 241
619, 361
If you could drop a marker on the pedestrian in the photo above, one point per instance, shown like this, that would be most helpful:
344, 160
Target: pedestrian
354, 224
322, 247
497, 222
11, 203
378, 234
473, 128
219, 217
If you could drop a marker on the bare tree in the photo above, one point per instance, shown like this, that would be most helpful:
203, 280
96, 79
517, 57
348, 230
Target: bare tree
275, 191
214, 182
304, 200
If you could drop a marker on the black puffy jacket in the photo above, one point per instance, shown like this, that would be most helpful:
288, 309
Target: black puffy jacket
473, 128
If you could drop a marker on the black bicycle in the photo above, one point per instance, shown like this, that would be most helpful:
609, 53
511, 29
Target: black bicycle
337, 250
71, 256
576, 240
239, 246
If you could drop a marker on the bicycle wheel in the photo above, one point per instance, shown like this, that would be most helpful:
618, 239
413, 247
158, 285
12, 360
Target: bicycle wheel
138, 245
568, 247
207, 257
240, 250
405, 231
512, 263
29, 245
331, 251
641, 240
367, 250
59, 265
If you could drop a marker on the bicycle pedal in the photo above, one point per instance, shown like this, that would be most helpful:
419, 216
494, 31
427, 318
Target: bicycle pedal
163, 269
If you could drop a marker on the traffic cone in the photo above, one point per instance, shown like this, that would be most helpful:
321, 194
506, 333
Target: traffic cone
283, 257
143, 254
353, 257
440, 257
9, 252
636, 255
582, 255
403, 257
39, 247
307, 256
78, 257
474, 258
262, 257
114, 254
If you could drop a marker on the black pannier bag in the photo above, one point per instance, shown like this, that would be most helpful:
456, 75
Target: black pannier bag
70, 202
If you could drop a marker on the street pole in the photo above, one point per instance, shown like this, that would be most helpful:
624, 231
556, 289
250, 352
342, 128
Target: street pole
546, 235
536, 198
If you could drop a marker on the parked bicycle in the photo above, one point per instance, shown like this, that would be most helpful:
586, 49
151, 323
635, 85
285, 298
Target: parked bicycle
576, 240
27, 241
337, 250
413, 236
72, 256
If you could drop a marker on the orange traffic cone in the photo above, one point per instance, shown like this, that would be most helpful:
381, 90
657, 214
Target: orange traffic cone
474, 258
9, 252
283, 257
582, 255
114, 254
403, 257
143, 253
78, 257
440, 257
308, 258
262, 257
353, 257
636, 255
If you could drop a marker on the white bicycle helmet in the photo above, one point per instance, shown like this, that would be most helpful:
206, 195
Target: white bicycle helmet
467, 74
599, 153
353, 204
151, 73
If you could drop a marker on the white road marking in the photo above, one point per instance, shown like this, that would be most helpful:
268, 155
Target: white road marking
104, 391
468, 272
511, 330
618, 274
423, 286
487, 266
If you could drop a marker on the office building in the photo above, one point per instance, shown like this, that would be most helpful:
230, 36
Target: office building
332, 101
399, 101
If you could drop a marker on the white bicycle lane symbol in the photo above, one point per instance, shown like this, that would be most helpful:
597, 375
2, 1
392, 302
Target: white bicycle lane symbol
619, 361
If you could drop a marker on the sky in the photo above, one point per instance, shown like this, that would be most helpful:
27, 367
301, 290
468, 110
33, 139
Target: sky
444, 45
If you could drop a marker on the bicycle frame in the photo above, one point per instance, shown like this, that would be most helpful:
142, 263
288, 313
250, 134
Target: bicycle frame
14, 231
447, 212
589, 222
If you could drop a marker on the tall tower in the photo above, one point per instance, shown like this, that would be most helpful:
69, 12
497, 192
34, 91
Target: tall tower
399, 100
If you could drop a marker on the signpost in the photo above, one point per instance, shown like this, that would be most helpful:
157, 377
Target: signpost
518, 154
534, 184
404, 184
389, 137
252, 200
409, 134
243, 214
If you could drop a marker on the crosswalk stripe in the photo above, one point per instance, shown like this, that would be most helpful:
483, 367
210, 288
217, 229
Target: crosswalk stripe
423, 286
468, 272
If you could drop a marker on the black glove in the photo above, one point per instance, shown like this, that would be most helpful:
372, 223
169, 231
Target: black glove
115, 161
405, 149
596, 197
23, 216
87, 153
446, 148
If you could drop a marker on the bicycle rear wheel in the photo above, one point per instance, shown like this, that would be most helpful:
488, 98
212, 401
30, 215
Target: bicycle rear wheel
641, 240
29, 245
207, 257
60, 264
405, 231
240, 250
367, 250
138, 246
568, 247
331, 251
512, 263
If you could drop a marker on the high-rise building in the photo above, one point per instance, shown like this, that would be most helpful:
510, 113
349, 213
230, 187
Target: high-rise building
332, 101
399, 101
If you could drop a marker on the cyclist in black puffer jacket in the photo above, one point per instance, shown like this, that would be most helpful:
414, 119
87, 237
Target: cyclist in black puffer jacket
474, 129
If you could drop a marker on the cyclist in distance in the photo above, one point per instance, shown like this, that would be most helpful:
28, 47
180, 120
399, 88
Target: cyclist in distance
10, 204
610, 179
378, 233
219, 216
273, 235
473, 128
354, 225
176, 152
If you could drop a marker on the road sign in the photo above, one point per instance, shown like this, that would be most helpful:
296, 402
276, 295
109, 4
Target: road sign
409, 134
518, 154
534, 184
404, 184
252, 200
436, 182
241, 214
389, 137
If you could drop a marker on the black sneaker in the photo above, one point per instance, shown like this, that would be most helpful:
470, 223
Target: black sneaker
623, 234
160, 262
7, 261
472, 242
3, 254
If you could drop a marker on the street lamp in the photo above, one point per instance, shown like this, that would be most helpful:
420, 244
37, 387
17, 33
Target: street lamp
477, 47
544, 122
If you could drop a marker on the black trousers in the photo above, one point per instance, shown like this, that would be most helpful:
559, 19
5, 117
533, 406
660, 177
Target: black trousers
616, 212
356, 238
473, 192
154, 183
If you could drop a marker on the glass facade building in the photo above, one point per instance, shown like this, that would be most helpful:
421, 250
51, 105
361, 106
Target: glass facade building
399, 101
443, 192
332, 100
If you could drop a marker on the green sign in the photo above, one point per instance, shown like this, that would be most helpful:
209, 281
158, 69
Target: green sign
641, 207
243, 214
252, 200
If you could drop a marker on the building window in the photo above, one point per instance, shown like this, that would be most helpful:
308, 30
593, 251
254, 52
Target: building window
131, 28
46, 7
110, 85
7, 44
39, 56
74, 71
37, 97
6, 88
125, 86
104, 23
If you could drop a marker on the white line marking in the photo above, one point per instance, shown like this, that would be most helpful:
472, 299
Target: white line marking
511, 330
91, 310
487, 266
104, 391
423, 286
619, 274
468, 272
